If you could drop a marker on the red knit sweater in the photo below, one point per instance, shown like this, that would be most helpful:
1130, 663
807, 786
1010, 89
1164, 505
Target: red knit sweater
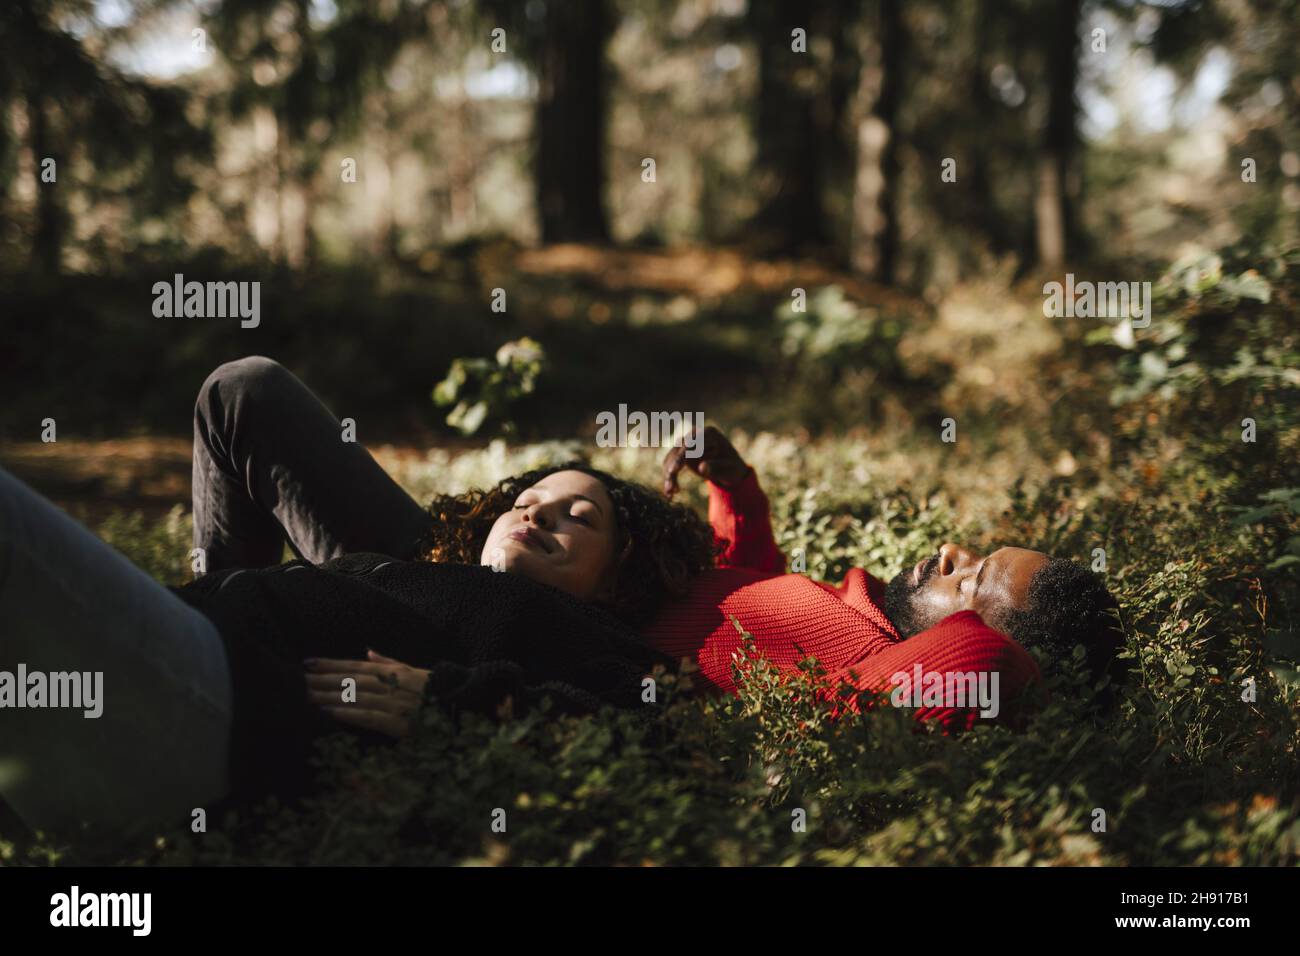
792, 617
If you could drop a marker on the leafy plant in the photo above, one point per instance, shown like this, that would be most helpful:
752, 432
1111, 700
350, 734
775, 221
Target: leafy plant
838, 351
1219, 319
1283, 504
481, 391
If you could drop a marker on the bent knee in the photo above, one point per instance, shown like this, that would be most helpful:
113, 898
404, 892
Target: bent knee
254, 377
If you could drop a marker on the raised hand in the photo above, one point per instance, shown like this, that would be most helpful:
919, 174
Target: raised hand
719, 462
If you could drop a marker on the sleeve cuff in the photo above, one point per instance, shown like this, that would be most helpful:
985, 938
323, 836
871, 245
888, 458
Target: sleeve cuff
743, 497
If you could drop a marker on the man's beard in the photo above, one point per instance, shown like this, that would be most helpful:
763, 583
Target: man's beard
898, 598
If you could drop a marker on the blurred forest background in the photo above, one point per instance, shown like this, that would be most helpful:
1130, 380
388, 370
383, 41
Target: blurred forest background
383, 166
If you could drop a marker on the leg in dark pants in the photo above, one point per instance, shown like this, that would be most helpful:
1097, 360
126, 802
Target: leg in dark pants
270, 465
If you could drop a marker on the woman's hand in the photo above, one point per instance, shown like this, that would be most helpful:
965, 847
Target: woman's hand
719, 463
388, 692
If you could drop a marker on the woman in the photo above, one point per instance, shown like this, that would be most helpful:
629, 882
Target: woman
203, 690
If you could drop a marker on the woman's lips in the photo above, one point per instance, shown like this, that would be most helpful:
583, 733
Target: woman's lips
529, 537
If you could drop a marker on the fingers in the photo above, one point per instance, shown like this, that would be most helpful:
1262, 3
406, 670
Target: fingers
369, 674
378, 705
404, 676
386, 691
673, 462
720, 463
677, 458
365, 683
716, 447
717, 460
326, 665
330, 699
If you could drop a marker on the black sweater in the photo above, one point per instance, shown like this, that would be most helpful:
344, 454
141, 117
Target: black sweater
482, 635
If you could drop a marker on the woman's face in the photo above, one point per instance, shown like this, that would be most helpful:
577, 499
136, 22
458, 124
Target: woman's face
563, 532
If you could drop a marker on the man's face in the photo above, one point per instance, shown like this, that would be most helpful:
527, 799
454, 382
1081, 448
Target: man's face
955, 580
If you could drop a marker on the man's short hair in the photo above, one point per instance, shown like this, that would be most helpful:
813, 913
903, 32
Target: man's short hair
1069, 605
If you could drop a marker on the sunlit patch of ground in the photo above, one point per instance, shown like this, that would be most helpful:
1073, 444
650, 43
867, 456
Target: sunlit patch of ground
703, 272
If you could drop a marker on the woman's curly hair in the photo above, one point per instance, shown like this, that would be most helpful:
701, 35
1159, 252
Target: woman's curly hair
670, 543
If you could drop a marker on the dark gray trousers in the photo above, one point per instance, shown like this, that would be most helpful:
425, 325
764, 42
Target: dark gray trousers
270, 466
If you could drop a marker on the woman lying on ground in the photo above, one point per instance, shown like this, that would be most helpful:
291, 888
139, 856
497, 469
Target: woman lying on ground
200, 697
205, 694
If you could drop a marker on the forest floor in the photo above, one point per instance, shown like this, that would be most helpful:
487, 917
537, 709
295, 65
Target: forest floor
1186, 769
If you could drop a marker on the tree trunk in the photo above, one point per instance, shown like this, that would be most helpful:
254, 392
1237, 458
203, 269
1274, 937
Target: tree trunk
47, 242
788, 134
4, 150
982, 213
879, 164
1053, 206
280, 254
570, 122
845, 77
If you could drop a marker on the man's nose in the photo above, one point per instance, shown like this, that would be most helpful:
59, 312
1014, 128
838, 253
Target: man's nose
953, 557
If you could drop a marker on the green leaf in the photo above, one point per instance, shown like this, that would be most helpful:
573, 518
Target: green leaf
467, 418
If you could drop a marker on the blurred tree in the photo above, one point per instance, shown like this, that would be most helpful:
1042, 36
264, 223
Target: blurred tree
835, 148
878, 182
983, 132
1263, 95
337, 72
991, 94
1056, 177
571, 95
316, 82
563, 42
792, 124
81, 112
1184, 31
51, 215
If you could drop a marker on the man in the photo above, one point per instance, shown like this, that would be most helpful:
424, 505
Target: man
952, 612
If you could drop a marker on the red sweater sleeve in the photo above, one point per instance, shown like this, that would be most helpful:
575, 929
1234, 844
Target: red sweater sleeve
969, 656
742, 523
